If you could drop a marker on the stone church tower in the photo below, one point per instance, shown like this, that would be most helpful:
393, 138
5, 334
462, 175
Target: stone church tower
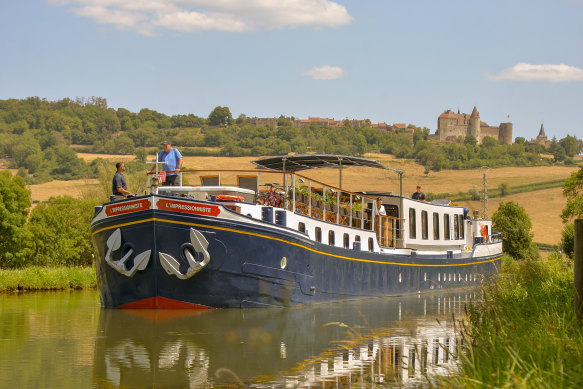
541, 139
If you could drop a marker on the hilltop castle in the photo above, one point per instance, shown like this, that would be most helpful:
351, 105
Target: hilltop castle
451, 125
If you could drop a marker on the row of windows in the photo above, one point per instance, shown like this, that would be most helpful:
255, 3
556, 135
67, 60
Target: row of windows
458, 226
332, 237
448, 277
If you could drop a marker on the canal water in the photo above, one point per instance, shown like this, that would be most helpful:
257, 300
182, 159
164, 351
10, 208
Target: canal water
65, 340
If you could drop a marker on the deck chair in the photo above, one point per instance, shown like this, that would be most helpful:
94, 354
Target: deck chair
247, 182
210, 181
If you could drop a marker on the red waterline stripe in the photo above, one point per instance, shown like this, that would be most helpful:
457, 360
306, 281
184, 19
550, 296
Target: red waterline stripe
161, 303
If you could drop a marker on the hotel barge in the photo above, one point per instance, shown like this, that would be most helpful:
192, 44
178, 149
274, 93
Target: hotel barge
249, 244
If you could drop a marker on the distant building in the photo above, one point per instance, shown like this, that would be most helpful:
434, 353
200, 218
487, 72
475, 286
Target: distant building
451, 126
263, 122
541, 139
326, 122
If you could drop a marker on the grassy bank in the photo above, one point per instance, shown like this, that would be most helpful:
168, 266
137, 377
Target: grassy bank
523, 334
42, 278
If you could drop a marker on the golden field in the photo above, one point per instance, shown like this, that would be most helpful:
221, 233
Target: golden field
542, 206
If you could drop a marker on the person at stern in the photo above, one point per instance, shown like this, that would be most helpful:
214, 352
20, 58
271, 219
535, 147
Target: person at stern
173, 164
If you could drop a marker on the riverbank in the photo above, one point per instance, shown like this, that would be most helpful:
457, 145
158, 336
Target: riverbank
523, 334
44, 278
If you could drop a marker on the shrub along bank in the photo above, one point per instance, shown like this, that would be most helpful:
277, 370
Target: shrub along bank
523, 333
46, 278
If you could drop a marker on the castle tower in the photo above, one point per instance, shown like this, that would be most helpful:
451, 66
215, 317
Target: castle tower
505, 134
475, 124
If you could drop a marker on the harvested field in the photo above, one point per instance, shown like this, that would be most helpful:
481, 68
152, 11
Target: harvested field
76, 188
88, 157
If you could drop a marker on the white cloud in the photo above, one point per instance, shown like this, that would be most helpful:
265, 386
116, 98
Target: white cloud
325, 72
149, 16
547, 72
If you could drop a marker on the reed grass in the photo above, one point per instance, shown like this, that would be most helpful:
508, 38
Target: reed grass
523, 333
46, 278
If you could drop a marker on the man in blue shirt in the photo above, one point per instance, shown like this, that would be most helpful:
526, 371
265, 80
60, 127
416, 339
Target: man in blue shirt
118, 184
173, 164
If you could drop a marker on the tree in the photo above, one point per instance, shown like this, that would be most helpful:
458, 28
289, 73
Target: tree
568, 239
489, 142
557, 151
503, 187
513, 222
470, 140
220, 116
14, 205
124, 145
62, 233
570, 145
573, 191
474, 193
141, 154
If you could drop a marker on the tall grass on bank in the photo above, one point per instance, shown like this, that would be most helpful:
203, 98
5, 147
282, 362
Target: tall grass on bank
523, 333
46, 278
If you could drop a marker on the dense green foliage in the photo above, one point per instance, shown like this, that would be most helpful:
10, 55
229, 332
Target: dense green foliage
513, 222
573, 190
568, 239
37, 133
61, 232
14, 206
523, 332
56, 233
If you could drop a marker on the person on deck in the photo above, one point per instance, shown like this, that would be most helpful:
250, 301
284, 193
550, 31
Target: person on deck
173, 164
380, 208
118, 184
418, 195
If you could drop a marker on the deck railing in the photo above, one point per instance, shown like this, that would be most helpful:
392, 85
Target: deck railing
306, 196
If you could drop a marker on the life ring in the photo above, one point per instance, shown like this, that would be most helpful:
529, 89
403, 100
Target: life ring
230, 198
484, 230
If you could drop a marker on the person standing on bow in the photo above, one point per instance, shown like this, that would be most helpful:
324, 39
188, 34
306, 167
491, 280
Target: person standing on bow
173, 164
119, 187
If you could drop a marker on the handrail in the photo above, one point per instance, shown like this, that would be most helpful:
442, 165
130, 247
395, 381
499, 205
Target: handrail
270, 172
368, 223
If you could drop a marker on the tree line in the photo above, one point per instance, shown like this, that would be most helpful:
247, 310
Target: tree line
37, 134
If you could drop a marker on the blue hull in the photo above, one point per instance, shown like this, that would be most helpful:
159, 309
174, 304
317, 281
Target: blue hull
253, 264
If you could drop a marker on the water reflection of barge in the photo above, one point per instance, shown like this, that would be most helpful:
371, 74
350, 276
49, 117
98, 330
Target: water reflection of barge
216, 246
396, 342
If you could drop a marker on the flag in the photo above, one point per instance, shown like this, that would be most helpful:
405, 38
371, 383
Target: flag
162, 177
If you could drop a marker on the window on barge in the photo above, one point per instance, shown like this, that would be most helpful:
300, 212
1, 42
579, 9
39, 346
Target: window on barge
412, 224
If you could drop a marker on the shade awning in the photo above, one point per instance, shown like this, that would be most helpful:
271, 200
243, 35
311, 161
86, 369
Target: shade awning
297, 162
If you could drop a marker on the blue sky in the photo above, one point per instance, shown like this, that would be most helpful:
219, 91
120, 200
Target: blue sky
387, 60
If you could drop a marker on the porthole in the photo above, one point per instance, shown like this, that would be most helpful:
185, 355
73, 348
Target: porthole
438, 277
283, 262
424, 276
400, 277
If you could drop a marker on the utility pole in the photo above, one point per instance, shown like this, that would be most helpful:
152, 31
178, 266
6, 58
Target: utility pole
485, 194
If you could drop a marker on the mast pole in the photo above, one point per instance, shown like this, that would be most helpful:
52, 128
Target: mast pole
485, 194
340, 173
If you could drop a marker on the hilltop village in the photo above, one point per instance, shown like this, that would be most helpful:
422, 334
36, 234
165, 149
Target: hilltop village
450, 126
